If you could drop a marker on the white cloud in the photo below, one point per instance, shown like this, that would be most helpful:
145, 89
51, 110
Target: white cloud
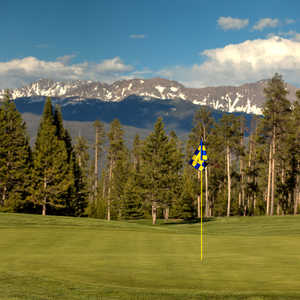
137, 36
112, 65
296, 37
290, 21
66, 58
264, 23
18, 72
292, 34
227, 23
236, 64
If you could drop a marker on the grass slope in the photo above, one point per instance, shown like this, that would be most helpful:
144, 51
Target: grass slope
70, 258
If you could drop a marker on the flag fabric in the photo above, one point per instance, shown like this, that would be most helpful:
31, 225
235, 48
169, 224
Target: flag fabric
199, 158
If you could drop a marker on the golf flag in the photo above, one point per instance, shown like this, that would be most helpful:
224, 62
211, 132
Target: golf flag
199, 158
198, 161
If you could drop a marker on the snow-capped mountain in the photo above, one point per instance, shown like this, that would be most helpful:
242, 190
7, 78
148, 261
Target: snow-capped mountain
248, 98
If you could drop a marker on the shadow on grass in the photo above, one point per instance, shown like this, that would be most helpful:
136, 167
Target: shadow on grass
190, 221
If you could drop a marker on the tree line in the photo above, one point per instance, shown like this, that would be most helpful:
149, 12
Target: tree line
251, 171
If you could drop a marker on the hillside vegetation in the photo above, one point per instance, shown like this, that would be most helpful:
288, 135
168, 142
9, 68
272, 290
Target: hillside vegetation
50, 257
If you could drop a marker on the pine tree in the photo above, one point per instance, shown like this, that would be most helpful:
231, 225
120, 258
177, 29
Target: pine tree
251, 170
156, 168
76, 195
295, 166
275, 111
132, 199
51, 170
99, 142
229, 135
184, 207
136, 152
99, 207
15, 158
118, 166
175, 171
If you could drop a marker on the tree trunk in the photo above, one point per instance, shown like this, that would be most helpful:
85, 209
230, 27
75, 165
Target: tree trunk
279, 206
3, 196
109, 191
96, 162
45, 197
248, 177
166, 213
198, 198
241, 192
207, 210
273, 174
296, 195
228, 180
154, 213
269, 180
211, 201
79, 161
278, 209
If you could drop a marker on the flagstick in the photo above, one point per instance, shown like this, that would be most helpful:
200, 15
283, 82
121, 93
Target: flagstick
201, 219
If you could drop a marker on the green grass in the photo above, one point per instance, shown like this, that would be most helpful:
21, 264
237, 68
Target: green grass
50, 257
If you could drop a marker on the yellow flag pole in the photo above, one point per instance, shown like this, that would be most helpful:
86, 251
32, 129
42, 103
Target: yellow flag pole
201, 220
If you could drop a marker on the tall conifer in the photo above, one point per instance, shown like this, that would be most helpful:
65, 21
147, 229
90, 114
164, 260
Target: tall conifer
15, 158
275, 112
156, 168
51, 168
118, 166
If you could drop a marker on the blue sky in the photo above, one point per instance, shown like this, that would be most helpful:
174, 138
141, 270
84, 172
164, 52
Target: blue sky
196, 42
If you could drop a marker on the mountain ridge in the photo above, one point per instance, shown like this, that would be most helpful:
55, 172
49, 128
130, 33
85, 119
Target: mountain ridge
248, 98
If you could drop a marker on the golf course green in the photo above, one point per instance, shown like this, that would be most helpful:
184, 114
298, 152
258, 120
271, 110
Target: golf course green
54, 257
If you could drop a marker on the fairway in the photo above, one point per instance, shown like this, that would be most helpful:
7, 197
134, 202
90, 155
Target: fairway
78, 258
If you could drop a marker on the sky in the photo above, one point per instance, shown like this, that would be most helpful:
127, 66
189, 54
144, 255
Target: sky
196, 42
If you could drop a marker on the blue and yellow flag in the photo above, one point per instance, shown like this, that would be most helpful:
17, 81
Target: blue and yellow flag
199, 158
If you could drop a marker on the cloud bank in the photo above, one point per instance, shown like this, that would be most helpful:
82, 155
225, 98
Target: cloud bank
229, 23
236, 64
19, 72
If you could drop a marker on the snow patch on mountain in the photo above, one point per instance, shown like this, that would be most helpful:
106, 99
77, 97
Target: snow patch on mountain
160, 89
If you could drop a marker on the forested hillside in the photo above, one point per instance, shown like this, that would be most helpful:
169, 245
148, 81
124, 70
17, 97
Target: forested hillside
254, 176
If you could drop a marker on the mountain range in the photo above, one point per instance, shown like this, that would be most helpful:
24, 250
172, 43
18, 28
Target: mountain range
248, 98
137, 102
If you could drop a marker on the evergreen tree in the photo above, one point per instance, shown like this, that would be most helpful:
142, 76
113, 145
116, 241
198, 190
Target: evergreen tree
249, 204
51, 170
118, 166
276, 111
136, 152
132, 199
15, 158
76, 195
228, 134
295, 161
175, 171
99, 207
184, 205
156, 168
99, 142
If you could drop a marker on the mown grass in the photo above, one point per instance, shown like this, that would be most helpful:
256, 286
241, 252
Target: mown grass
53, 257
